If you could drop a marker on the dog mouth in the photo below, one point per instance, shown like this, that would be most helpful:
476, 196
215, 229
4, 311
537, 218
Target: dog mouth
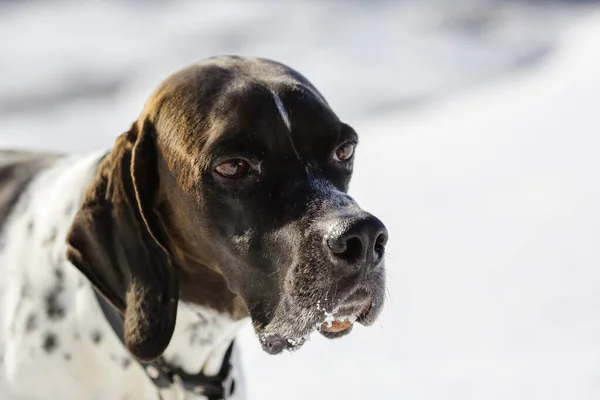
359, 307
340, 323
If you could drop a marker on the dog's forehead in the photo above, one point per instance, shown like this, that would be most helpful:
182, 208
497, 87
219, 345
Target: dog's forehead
207, 86
227, 97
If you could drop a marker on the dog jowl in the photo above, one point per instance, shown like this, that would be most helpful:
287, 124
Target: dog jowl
229, 191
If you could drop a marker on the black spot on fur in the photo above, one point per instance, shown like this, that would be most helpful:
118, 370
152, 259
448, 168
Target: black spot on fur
67, 357
76, 336
50, 342
54, 309
30, 227
31, 323
195, 329
96, 337
59, 274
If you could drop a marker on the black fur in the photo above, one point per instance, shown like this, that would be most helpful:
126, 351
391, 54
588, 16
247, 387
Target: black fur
50, 342
159, 224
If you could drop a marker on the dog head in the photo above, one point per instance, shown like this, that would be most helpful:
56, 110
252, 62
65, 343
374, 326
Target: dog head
230, 191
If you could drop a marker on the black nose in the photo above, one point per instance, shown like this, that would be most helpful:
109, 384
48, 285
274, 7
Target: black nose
357, 242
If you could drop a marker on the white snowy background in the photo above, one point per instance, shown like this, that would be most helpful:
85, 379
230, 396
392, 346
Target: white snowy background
480, 149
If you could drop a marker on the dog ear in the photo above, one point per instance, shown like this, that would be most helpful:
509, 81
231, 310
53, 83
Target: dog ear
117, 241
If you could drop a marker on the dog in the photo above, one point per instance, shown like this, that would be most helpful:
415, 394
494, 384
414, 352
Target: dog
126, 274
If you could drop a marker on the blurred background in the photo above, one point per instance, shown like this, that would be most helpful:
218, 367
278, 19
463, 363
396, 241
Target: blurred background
480, 149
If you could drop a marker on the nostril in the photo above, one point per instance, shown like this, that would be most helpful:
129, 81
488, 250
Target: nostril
354, 251
349, 249
379, 247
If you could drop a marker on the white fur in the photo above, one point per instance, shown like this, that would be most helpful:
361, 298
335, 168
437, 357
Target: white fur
87, 361
282, 111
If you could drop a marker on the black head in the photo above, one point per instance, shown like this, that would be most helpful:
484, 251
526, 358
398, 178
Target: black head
230, 191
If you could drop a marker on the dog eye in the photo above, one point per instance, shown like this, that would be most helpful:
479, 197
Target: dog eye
234, 168
345, 151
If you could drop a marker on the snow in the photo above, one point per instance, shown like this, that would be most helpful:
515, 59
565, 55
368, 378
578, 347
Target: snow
80, 71
480, 150
328, 316
491, 199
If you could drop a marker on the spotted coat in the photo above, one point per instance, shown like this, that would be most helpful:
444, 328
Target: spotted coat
55, 343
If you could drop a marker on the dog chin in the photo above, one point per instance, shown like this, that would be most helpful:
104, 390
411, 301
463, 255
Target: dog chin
363, 310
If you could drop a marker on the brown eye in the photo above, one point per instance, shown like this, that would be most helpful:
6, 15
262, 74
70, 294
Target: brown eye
234, 168
345, 151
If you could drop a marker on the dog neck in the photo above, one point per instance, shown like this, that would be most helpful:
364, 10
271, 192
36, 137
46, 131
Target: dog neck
201, 338
209, 314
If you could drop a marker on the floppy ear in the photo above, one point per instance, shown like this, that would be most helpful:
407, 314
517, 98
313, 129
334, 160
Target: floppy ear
117, 241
